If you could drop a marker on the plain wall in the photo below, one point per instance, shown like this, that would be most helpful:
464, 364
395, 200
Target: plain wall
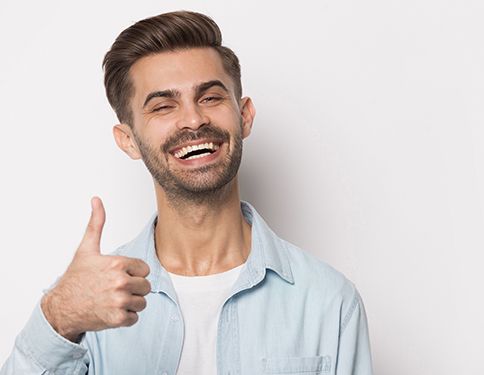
367, 151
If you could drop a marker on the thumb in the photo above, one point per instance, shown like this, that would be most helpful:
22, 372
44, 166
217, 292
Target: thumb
91, 242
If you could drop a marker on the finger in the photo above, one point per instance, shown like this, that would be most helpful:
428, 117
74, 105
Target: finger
137, 267
131, 318
136, 304
139, 286
123, 318
91, 242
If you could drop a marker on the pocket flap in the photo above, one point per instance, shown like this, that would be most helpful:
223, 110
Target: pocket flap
294, 365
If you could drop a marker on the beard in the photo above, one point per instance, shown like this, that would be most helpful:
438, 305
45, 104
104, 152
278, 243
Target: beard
205, 184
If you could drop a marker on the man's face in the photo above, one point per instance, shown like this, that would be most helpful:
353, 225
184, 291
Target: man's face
188, 125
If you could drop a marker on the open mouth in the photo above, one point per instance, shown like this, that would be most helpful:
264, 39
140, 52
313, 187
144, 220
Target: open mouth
196, 151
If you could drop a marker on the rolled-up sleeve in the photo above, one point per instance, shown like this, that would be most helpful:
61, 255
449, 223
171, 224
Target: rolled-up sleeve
354, 353
39, 349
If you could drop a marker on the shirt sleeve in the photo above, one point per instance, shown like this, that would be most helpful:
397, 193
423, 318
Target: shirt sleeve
354, 353
39, 349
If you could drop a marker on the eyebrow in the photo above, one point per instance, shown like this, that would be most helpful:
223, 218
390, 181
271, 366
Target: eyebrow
173, 93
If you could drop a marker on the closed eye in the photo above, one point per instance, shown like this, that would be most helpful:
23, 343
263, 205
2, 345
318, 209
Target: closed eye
157, 109
208, 99
211, 99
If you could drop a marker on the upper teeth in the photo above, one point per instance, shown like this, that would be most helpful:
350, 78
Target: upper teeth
185, 150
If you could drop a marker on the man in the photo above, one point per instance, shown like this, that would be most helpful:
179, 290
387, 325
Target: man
206, 287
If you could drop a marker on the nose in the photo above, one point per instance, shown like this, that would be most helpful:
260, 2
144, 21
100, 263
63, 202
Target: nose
192, 117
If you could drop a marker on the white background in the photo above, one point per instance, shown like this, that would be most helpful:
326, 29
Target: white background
367, 150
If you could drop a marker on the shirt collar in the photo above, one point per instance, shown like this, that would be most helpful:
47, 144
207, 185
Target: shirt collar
268, 251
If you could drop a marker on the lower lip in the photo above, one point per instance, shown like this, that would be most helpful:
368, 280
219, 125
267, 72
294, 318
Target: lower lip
200, 161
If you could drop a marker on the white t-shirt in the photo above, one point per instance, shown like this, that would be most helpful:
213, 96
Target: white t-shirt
201, 299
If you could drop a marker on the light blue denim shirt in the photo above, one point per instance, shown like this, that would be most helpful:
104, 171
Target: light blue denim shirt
287, 313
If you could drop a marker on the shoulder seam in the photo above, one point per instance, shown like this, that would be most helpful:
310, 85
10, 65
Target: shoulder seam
349, 314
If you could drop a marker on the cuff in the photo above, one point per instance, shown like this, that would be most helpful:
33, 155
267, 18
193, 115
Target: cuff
44, 345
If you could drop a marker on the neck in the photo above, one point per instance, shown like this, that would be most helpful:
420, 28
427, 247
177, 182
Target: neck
201, 237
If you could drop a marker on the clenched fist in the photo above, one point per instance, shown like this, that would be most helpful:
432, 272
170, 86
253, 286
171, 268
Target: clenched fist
96, 291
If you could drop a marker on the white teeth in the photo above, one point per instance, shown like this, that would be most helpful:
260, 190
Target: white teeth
198, 156
185, 150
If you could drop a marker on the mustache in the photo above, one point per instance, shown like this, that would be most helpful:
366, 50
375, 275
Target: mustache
208, 131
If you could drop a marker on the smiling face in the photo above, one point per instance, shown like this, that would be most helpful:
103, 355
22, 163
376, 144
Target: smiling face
188, 125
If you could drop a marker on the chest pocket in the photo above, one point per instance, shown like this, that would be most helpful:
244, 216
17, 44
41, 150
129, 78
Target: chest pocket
297, 365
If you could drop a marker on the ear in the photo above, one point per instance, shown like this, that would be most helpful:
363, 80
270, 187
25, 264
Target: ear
247, 110
123, 135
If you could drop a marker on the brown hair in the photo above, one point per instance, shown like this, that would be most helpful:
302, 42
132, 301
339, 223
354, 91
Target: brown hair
165, 32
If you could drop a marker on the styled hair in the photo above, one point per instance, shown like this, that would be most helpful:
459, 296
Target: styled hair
166, 32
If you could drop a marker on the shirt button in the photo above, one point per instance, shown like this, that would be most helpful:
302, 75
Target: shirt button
165, 373
175, 319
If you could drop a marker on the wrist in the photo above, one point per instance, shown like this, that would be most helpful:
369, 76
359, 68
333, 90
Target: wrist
52, 313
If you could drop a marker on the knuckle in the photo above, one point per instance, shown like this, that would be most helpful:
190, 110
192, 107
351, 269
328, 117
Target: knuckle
121, 301
118, 262
117, 318
121, 283
91, 228
120, 318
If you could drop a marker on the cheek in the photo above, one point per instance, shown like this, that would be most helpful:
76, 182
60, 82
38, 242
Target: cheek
156, 133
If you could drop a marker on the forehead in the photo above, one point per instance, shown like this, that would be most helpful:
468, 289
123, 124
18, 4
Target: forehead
181, 70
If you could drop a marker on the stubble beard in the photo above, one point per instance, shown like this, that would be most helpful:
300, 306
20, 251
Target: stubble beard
208, 184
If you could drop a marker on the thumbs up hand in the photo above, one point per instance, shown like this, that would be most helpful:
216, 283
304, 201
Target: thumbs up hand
96, 291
